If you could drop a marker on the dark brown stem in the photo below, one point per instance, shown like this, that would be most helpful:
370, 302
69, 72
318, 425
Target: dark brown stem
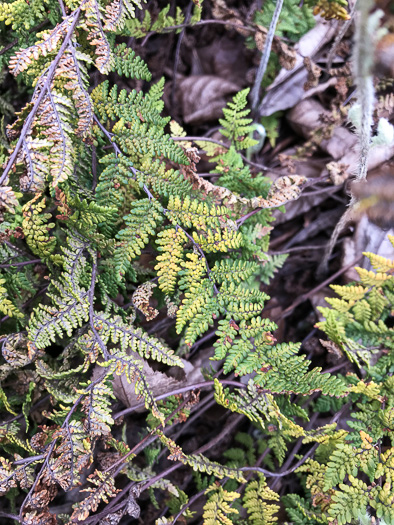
312, 292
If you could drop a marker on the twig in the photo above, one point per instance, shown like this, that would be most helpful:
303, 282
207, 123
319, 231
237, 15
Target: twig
363, 67
308, 295
269, 474
188, 504
266, 55
10, 516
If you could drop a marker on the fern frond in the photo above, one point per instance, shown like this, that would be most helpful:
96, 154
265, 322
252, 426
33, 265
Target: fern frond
255, 502
236, 126
217, 507
117, 11
199, 462
132, 367
127, 63
142, 221
103, 490
170, 242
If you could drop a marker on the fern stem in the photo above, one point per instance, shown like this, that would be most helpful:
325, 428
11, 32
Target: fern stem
183, 390
244, 158
188, 504
363, 63
42, 92
146, 441
269, 474
266, 55
235, 421
91, 312
23, 263
51, 448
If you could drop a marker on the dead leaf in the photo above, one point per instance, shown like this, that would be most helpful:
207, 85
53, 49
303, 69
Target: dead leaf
377, 156
140, 299
384, 56
385, 106
287, 56
225, 57
221, 11
314, 73
376, 198
288, 87
338, 172
203, 97
160, 382
306, 116
368, 238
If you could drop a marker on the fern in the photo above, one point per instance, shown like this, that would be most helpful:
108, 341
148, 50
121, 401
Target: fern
217, 507
118, 257
356, 323
260, 512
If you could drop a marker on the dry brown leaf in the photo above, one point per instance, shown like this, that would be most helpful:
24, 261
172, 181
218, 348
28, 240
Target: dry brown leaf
367, 238
384, 56
332, 348
287, 56
140, 299
311, 169
376, 199
221, 11
282, 191
314, 73
338, 172
385, 106
8, 201
306, 116
159, 382
377, 156
203, 97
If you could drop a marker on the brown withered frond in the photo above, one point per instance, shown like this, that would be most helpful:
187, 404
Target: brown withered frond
96, 36
103, 490
72, 69
52, 40
70, 457
116, 13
